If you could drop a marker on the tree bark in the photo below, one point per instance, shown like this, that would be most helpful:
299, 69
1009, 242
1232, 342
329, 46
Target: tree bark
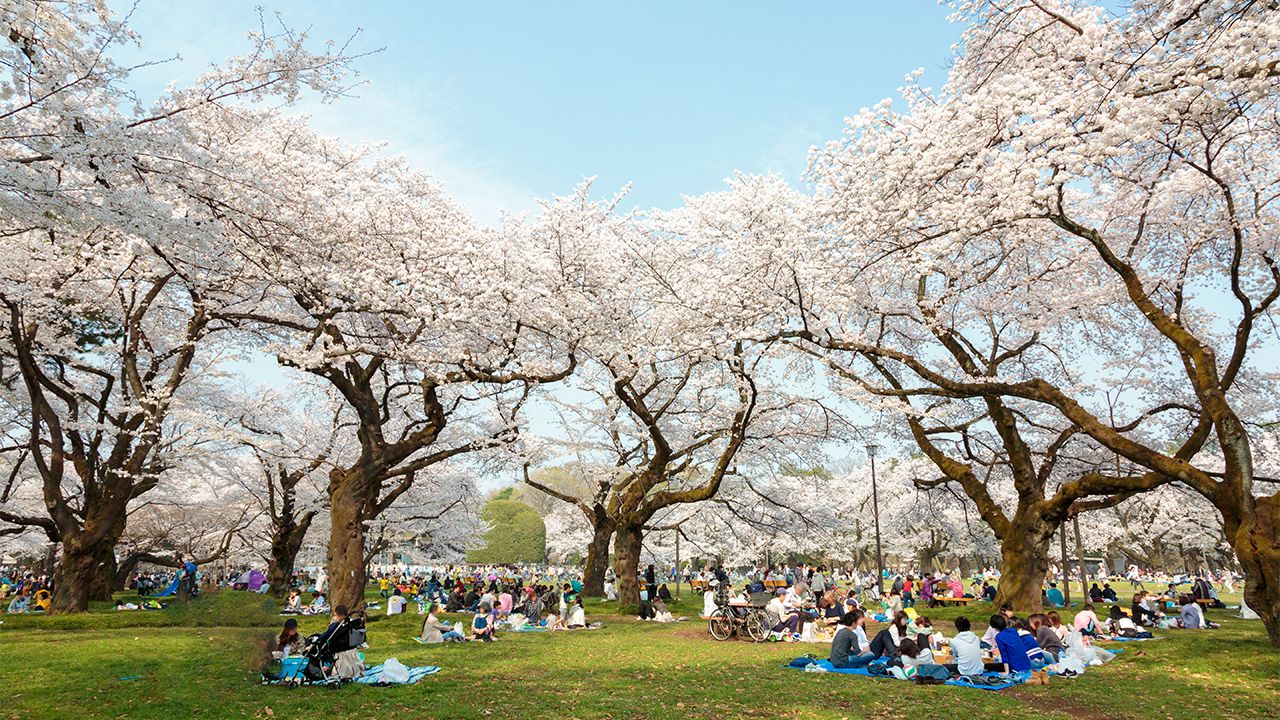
597, 559
286, 542
627, 545
1257, 545
104, 579
1024, 566
345, 563
77, 568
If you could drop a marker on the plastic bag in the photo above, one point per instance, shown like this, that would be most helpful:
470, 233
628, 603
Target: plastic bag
394, 671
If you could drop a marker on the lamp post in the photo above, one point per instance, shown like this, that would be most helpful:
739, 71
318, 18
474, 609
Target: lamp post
875, 507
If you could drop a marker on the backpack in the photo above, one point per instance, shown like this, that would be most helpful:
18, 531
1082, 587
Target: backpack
878, 669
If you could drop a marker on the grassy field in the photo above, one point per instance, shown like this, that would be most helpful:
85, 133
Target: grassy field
200, 661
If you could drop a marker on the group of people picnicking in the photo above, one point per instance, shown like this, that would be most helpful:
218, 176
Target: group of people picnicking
815, 606
25, 592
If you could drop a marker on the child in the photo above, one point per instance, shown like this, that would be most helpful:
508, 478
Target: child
293, 606
481, 625
397, 603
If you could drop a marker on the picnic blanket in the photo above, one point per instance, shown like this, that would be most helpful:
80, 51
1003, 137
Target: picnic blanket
826, 665
373, 675
1121, 638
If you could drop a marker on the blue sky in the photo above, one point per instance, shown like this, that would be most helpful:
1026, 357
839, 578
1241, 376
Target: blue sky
509, 101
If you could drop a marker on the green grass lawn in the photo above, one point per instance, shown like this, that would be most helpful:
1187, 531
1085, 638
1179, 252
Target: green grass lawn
199, 662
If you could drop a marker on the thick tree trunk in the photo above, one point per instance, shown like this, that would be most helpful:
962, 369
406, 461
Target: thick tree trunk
1257, 545
345, 560
627, 544
597, 560
104, 580
77, 568
286, 542
1024, 566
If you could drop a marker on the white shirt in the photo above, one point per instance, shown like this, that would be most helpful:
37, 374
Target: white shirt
395, 605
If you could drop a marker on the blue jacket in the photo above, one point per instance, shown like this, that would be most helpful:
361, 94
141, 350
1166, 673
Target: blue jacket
1012, 652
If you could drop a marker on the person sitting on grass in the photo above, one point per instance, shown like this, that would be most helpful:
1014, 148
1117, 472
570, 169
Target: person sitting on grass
1191, 615
20, 603
319, 605
921, 630
1054, 596
1109, 593
289, 642
1054, 620
887, 640
660, 612
532, 606
829, 611
913, 655
989, 637
481, 624
787, 622
1141, 610
849, 647
396, 603
966, 649
1013, 655
434, 631
988, 591
293, 606
892, 604
1046, 637
1087, 622
578, 614
1095, 594
1035, 654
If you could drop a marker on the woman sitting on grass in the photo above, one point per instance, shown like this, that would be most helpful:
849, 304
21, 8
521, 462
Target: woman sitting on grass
913, 655
1087, 622
578, 614
1191, 615
434, 631
1046, 637
290, 642
921, 630
20, 603
1054, 621
319, 605
661, 613
887, 641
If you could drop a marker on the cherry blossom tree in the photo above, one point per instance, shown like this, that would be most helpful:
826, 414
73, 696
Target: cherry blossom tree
1098, 176
114, 273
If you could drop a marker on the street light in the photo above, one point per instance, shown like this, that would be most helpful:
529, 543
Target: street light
875, 506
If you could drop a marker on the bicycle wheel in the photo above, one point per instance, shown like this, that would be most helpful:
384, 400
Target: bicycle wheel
720, 625
757, 626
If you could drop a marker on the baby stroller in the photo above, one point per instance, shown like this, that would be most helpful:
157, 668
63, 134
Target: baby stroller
315, 665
